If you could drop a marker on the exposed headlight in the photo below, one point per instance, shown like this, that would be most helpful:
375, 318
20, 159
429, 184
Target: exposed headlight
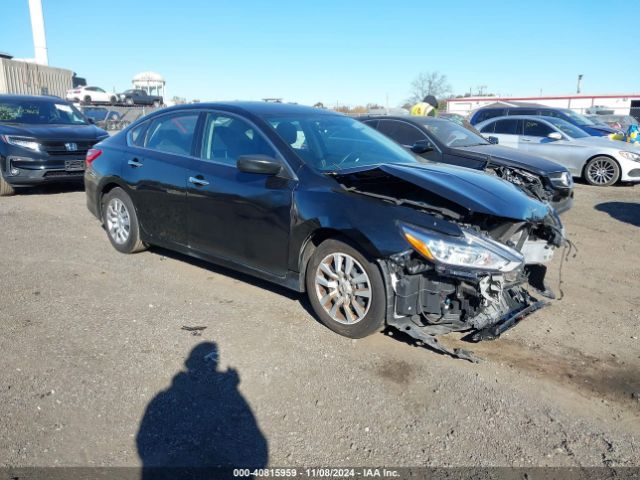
468, 251
630, 156
563, 179
23, 142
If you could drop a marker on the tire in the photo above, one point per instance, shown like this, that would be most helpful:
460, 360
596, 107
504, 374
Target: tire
156, 104
601, 171
117, 212
129, 101
86, 100
370, 316
6, 189
113, 100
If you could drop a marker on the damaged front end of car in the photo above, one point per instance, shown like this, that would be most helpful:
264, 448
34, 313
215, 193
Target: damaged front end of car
475, 281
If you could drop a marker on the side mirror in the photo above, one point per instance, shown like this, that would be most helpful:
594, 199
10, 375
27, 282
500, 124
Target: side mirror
493, 140
422, 146
91, 120
258, 164
555, 136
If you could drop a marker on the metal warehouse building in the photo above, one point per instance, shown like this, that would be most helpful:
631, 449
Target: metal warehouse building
623, 104
20, 77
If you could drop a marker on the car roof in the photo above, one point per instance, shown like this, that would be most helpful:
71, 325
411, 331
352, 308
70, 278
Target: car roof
256, 108
51, 98
544, 118
407, 118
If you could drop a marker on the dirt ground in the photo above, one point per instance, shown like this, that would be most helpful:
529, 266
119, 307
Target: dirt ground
96, 370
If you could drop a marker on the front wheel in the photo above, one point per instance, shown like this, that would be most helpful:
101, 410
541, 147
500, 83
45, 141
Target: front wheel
6, 189
602, 171
156, 103
121, 222
346, 290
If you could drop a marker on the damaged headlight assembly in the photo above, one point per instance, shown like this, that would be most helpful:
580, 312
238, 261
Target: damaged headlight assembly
469, 251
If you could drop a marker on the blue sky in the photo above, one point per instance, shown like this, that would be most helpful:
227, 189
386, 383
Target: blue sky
346, 51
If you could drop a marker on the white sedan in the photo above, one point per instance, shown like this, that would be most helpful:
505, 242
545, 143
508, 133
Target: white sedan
599, 160
90, 95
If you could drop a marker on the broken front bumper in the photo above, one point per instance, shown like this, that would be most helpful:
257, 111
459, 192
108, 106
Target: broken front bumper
426, 304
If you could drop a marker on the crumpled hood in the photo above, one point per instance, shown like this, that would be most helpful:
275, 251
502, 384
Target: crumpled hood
476, 191
511, 157
53, 132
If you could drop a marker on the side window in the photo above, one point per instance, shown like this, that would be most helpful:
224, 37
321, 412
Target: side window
172, 133
483, 115
488, 128
226, 138
507, 127
401, 132
551, 113
534, 128
136, 135
523, 111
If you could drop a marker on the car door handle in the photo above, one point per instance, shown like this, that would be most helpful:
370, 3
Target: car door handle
198, 182
525, 140
134, 163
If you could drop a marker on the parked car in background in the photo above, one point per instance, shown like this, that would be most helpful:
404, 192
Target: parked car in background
565, 114
42, 139
139, 97
91, 95
99, 114
599, 160
599, 110
319, 202
444, 140
618, 122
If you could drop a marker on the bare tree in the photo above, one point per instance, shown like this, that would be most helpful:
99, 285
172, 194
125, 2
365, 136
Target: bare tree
429, 83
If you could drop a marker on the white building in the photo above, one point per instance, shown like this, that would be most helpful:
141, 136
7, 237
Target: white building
151, 82
620, 104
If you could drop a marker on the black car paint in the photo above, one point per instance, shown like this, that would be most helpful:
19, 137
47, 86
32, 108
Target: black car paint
478, 156
140, 97
261, 224
38, 167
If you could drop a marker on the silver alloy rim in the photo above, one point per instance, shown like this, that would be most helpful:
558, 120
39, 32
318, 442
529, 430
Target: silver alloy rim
601, 171
118, 221
343, 288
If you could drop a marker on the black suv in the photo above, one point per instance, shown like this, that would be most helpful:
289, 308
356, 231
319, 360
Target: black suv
447, 141
42, 139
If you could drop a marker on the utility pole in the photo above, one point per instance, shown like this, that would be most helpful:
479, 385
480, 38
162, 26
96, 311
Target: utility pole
579, 82
37, 28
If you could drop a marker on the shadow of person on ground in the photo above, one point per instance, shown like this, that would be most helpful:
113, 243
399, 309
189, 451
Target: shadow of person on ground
200, 422
627, 212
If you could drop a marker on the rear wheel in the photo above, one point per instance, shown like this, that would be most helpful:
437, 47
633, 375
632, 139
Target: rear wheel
121, 222
602, 171
346, 290
129, 101
87, 100
6, 189
156, 103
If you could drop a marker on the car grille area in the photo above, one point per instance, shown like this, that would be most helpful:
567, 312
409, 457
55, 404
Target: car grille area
66, 148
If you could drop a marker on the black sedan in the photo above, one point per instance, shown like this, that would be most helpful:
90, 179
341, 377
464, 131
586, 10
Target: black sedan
42, 139
444, 140
322, 204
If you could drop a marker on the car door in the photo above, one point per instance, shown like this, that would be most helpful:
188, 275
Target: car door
236, 216
155, 168
535, 134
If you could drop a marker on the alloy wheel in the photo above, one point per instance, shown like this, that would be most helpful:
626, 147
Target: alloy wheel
118, 221
601, 171
343, 288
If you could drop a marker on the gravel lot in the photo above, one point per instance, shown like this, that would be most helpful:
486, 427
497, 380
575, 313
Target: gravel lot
93, 360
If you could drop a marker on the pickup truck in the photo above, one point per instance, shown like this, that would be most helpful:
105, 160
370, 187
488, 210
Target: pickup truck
139, 97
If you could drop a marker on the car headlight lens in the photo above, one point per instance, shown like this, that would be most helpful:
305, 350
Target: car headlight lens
561, 179
468, 251
23, 142
630, 156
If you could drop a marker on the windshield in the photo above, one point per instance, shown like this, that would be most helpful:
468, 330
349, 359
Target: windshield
577, 118
566, 128
452, 134
335, 143
39, 112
